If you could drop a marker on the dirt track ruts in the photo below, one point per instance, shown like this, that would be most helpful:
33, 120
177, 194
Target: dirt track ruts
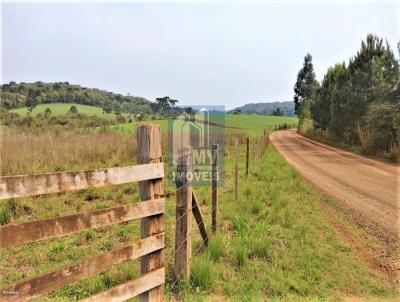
367, 188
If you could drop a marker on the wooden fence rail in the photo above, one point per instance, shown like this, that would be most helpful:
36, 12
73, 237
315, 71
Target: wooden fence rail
149, 173
17, 234
31, 185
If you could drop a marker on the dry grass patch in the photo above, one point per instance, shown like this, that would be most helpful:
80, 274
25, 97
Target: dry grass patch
28, 153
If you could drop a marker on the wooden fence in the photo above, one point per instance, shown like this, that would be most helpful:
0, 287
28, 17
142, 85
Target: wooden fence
186, 201
149, 173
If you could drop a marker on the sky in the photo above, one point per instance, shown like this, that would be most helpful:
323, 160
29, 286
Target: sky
225, 53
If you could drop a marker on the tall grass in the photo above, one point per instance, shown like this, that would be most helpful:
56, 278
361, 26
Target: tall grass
27, 153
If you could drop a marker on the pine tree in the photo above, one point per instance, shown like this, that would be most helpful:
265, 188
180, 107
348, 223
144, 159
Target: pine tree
305, 85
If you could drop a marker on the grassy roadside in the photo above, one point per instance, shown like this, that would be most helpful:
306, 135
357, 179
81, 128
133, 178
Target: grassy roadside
274, 242
324, 137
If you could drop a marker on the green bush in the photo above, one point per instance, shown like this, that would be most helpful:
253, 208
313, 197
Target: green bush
203, 274
216, 247
241, 254
91, 194
5, 215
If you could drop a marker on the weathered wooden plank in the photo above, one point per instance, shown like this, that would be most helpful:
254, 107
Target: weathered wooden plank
199, 219
36, 286
146, 282
149, 151
31, 185
17, 234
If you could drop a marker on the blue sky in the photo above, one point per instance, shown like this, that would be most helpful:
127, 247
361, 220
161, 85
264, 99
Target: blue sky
199, 53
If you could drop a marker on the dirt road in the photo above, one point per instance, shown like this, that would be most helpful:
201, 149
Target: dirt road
366, 188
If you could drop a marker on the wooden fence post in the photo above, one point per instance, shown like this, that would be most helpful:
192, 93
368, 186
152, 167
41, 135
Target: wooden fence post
214, 187
199, 219
247, 156
236, 167
264, 141
183, 230
149, 151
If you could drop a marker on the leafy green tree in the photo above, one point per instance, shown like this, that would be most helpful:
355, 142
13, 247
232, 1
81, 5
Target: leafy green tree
73, 110
166, 103
381, 120
305, 85
329, 108
360, 104
189, 110
32, 98
277, 112
120, 118
47, 112
107, 110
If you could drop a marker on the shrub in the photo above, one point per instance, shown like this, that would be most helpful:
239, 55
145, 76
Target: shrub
203, 275
91, 194
256, 207
260, 248
89, 234
240, 225
123, 233
5, 215
73, 109
216, 247
241, 254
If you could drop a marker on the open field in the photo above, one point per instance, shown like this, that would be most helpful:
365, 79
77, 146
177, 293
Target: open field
63, 108
250, 124
254, 124
274, 242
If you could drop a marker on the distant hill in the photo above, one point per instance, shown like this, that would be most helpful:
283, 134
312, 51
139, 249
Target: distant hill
17, 95
267, 108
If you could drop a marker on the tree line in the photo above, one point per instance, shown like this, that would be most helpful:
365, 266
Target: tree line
357, 102
16, 95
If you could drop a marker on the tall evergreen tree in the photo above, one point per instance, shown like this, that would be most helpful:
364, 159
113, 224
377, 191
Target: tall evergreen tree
374, 73
305, 85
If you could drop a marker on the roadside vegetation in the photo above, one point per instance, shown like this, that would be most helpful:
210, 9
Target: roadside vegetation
274, 242
357, 105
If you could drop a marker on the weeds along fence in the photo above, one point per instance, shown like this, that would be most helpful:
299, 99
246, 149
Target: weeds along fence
186, 201
149, 173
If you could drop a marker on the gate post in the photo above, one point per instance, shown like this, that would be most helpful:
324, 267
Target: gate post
149, 151
214, 187
183, 230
